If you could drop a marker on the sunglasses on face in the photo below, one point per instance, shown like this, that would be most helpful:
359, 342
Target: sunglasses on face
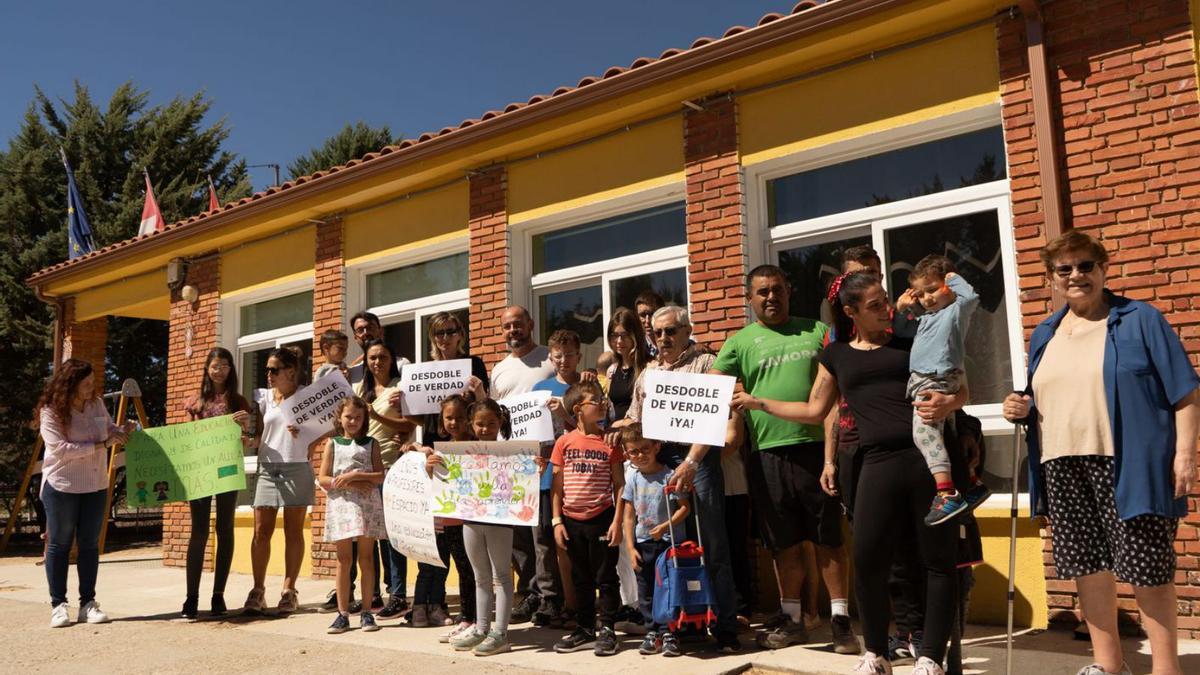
272, 370
669, 332
445, 333
1064, 271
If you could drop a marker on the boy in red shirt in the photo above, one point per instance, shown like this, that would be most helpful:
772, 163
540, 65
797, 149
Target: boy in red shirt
588, 511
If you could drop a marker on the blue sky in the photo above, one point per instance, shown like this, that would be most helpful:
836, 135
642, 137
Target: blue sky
286, 75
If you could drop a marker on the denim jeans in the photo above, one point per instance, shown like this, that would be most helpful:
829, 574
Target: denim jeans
708, 499
430, 587
395, 569
649, 551
72, 518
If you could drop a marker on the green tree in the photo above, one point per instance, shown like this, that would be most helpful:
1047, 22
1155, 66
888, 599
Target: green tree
352, 142
108, 148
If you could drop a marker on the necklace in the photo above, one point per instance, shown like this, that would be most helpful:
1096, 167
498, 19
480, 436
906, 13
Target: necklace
1080, 325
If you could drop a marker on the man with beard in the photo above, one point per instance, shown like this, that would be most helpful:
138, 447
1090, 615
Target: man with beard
536, 558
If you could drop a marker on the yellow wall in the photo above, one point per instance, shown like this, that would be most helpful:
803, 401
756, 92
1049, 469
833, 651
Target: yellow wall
270, 261
626, 162
988, 604
395, 226
243, 534
144, 296
956, 73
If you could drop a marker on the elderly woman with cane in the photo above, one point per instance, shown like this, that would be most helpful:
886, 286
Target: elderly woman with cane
1112, 412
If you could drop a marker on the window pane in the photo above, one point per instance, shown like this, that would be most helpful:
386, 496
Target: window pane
431, 277
580, 310
944, 164
400, 337
463, 319
810, 270
670, 284
278, 313
972, 243
254, 371
623, 235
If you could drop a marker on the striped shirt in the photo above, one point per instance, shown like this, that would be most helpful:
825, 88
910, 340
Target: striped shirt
587, 465
76, 460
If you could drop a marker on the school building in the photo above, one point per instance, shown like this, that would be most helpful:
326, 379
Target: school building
975, 128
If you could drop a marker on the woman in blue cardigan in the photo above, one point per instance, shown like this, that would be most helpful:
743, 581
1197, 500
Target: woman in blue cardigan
1111, 410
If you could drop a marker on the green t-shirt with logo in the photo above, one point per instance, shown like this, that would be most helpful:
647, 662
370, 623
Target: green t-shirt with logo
780, 363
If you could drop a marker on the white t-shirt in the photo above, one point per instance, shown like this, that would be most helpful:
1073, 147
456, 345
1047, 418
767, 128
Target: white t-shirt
514, 375
277, 444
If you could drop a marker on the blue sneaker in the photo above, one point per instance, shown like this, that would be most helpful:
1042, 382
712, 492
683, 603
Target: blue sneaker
976, 495
945, 506
341, 624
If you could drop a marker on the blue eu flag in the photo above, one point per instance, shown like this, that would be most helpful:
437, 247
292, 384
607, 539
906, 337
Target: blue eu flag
79, 230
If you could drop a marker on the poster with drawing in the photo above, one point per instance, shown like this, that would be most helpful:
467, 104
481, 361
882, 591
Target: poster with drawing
487, 482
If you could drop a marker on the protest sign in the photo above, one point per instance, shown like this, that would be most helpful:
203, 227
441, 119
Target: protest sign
426, 384
181, 462
487, 482
406, 510
686, 407
312, 408
531, 420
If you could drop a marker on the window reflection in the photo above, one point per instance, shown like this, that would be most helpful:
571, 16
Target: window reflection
610, 238
580, 310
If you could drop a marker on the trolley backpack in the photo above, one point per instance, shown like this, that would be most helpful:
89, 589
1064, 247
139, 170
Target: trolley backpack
682, 592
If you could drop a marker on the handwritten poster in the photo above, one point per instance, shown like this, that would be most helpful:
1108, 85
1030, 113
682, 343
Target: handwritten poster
686, 407
185, 461
426, 384
313, 407
406, 510
531, 419
487, 482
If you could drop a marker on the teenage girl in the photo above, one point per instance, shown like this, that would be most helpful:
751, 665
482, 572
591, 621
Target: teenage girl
351, 473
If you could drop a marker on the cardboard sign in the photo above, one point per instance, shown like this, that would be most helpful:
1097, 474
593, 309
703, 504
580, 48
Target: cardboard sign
487, 482
686, 407
313, 408
426, 384
406, 510
531, 419
185, 461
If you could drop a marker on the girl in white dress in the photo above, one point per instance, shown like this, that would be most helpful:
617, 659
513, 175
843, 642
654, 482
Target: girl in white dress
351, 473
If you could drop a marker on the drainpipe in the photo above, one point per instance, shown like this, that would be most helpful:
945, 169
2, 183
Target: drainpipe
1043, 120
59, 329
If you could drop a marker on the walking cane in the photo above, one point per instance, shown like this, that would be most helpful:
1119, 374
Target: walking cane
1012, 546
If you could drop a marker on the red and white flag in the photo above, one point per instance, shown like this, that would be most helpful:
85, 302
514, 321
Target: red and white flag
152, 220
214, 204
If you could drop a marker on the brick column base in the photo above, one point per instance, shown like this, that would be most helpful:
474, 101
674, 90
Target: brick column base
490, 268
329, 300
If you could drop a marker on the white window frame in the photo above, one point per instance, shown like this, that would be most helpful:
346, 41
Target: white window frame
414, 310
532, 286
766, 242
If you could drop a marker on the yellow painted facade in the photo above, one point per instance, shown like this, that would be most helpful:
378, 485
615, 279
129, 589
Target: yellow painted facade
937, 78
243, 534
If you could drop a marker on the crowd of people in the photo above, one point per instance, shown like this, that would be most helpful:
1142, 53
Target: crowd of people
859, 421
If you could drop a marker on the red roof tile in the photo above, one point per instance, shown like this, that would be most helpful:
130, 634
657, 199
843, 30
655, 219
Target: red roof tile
614, 71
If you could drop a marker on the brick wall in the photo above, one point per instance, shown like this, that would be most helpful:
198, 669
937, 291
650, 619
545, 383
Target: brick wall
194, 328
85, 340
490, 269
329, 301
1123, 76
716, 223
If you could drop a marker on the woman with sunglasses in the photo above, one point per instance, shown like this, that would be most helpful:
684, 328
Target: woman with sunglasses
285, 480
447, 341
1111, 410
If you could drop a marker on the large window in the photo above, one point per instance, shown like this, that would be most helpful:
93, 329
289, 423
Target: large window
585, 271
407, 297
944, 193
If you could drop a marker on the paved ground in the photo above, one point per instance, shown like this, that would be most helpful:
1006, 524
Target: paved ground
144, 598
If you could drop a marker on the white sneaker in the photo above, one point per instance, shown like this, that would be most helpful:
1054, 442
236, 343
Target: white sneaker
60, 616
1095, 669
874, 665
926, 666
459, 629
91, 613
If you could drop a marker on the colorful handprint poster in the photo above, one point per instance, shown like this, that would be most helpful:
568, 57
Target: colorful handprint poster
406, 510
487, 482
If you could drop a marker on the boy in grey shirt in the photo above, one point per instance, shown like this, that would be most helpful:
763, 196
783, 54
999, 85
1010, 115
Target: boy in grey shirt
945, 302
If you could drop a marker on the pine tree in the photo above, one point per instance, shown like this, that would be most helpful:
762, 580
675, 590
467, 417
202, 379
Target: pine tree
108, 149
352, 142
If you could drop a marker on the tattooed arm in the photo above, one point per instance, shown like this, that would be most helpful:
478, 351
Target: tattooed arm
820, 401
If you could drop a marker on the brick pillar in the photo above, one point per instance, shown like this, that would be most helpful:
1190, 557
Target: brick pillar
329, 301
1123, 85
716, 221
193, 331
490, 269
85, 340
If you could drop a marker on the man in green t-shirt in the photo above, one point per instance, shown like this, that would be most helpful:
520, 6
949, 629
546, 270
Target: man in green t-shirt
776, 357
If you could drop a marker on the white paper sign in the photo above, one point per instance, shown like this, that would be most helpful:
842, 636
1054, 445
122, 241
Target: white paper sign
686, 407
406, 510
487, 482
314, 407
426, 384
531, 418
